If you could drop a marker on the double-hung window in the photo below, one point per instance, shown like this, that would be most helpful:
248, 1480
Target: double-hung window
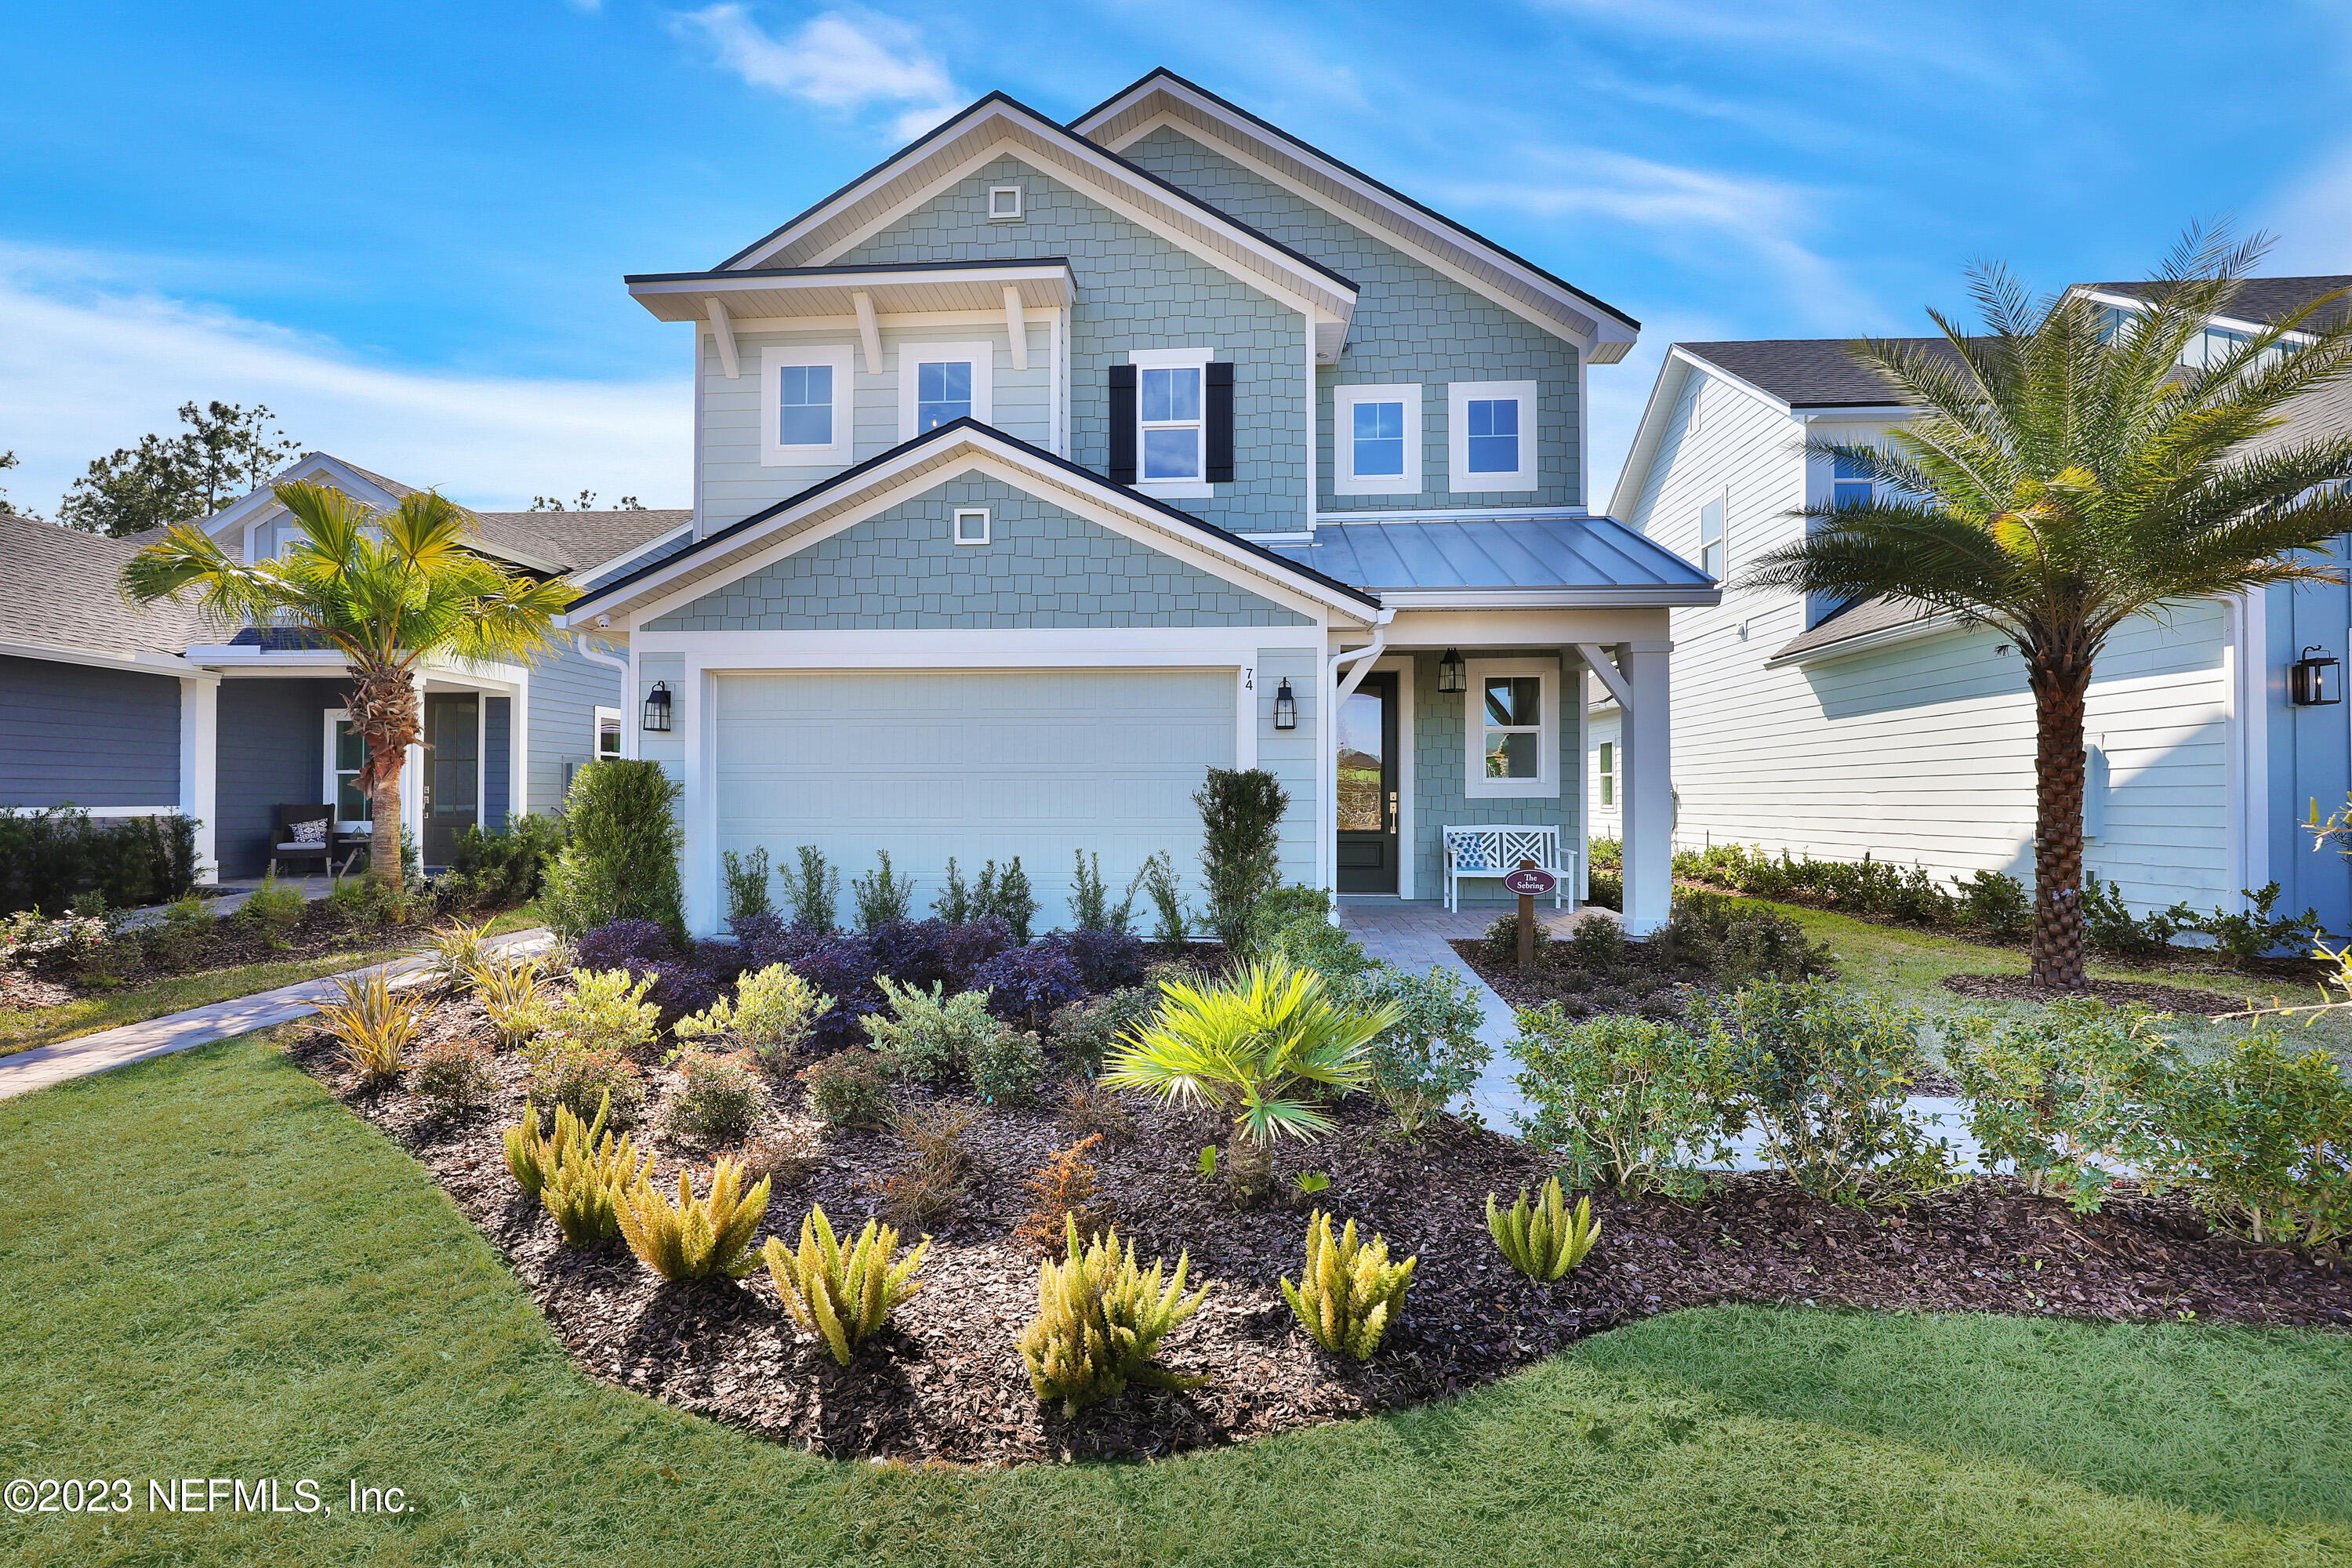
1848, 483
941, 383
1376, 440
1168, 411
1513, 723
1713, 554
1492, 434
804, 393
1608, 772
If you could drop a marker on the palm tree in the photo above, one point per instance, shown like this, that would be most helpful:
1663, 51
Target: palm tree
388, 590
2069, 472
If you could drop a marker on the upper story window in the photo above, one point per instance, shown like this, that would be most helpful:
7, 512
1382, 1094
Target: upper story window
804, 403
1005, 204
1848, 483
1513, 713
1171, 421
1376, 436
1169, 406
941, 383
1492, 434
1712, 554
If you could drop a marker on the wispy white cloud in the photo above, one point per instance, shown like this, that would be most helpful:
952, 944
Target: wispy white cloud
2313, 220
848, 61
1945, 39
87, 366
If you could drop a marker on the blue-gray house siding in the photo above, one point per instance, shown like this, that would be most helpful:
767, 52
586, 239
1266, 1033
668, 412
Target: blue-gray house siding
2310, 760
273, 745
566, 690
89, 736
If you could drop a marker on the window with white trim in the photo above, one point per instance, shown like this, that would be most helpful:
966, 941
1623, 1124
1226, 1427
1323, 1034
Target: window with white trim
1512, 718
1005, 204
346, 755
1171, 431
605, 744
1491, 435
1712, 555
1608, 772
1376, 440
1850, 482
941, 383
804, 393
971, 525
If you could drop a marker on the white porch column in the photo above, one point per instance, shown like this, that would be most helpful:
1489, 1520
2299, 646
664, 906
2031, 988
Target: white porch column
699, 864
200, 764
1648, 788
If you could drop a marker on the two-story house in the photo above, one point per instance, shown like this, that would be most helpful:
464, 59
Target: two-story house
1877, 727
1043, 467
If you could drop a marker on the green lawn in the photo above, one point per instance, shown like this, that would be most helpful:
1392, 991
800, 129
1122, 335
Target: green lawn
132, 1004
213, 1269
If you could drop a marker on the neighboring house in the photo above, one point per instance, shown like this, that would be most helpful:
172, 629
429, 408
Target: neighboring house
136, 711
1043, 467
1880, 729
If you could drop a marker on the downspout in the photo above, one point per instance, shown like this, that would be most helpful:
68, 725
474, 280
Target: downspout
621, 665
1363, 659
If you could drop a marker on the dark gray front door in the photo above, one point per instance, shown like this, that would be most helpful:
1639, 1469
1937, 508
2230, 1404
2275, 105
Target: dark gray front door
1367, 787
453, 771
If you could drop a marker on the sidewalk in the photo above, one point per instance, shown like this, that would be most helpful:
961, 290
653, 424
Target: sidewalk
45, 1065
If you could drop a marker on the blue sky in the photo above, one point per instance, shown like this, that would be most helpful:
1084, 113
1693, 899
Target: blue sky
402, 225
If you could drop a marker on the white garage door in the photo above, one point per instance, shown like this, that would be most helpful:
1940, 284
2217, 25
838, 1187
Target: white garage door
975, 764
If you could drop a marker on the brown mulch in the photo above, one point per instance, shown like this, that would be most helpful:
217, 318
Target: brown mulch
1638, 975
944, 1381
2164, 998
234, 943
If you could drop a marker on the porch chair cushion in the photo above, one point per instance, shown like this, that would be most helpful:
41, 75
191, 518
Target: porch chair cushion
1496, 850
304, 831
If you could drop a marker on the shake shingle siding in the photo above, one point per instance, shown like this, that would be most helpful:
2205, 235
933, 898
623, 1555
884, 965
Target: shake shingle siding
88, 736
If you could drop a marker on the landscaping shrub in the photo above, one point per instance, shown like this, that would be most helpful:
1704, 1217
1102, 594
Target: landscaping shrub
580, 1173
1502, 939
812, 892
928, 1190
457, 950
1609, 854
452, 1075
911, 952
694, 1238
1100, 1321
623, 945
1173, 918
747, 884
786, 1156
492, 870
1008, 1066
1605, 890
1628, 1102
842, 966
513, 994
1090, 905
532, 1154
1026, 984
1108, 960
1005, 896
1089, 1108
843, 1297
964, 948
718, 1098
1084, 1032
1349, 1290
1994, 903
1241, 828
29, 943
879, 896
354, 900
2063, 1094
954, 904
48, 859
2249, 935
1596, 944
273, 908
621, 850
1823, 1074
2261, 1139
1738, 941
373, 1023
1065, 1190
773, 1012
1543, 1241
2112, 928
928, 1035
1279, 910
1432, 1054
849, 1087
585, 1038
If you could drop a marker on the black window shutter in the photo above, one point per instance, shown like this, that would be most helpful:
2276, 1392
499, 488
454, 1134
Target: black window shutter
1219, 420
1122, 423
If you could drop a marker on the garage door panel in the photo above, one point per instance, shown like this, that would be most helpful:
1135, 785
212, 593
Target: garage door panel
976, 764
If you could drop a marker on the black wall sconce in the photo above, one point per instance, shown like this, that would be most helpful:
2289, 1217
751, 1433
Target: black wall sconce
1285, 707
657, 708
1453, 674
2315, 682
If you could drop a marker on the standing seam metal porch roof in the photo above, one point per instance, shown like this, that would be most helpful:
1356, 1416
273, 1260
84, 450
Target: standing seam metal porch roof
1519, 553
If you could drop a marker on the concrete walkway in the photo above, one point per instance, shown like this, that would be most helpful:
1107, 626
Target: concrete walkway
109, 1048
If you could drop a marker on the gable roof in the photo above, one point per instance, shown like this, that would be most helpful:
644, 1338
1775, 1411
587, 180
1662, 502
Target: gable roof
1809, 373
1348, 193
938, 449
2259, 299
821, 233
62, 588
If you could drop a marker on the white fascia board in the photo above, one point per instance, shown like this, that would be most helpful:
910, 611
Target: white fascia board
314, 466
1665, 391
143, 661
1860, 413
2233, 324
681, 298
1548, 599
1441, 513
973, 648
1871, 642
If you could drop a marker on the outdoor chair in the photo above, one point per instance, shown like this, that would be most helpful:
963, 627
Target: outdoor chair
306, 834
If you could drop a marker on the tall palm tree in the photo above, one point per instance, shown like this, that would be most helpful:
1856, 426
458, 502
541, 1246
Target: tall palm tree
2069, 472
388, 590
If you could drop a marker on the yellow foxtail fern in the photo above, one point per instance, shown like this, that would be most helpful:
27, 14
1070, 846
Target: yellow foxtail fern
1100, 1321
587, 1187
373, 1024
843, 1295
694, 1238
532, 1154
1545, 1241
1349, 1291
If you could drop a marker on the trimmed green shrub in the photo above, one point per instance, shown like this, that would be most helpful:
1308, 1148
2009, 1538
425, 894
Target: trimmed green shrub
1277, 912
1605, 890
2063, 1094
1313, 942
2261, 1139
1596, 944
493, 870
2250, 934
2112, 928
928, 1035
881, 897
812, 893
1085, 1032
717, 1100
1628, 1102
747, 884
620, 851
1431, 1056
1006, 895
1502, 939
1008, 1066
50, 859
849, 1087
1994, 903
1241, 828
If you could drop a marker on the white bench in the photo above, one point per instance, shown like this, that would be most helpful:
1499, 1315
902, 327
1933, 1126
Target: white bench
1496, 851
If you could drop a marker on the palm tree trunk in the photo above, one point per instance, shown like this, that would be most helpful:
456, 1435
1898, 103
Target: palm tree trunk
383, 710
2059, 685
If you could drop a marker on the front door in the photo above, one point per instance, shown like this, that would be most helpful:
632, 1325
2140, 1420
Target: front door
1367, 787
453, 771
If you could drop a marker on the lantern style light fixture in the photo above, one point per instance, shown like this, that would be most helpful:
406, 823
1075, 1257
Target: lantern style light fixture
2314, 682
657, 708
1453, 674
1285, 707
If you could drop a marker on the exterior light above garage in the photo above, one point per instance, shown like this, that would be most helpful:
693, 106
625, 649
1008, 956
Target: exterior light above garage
1285, 707
1453, 674
2313, 682
657, 708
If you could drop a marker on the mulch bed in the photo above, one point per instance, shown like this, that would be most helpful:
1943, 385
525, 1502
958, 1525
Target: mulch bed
1639, 980
2164, 998
944, 1381
233, 944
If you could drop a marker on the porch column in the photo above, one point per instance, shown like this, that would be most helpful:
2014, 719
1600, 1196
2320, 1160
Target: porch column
1647, 788
200, 764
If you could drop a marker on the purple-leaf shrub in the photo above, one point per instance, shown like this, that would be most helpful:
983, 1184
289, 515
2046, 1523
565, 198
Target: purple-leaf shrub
1110, 960
623, 944
912, 952
1028, 983
721, 961
968, 946
842, 966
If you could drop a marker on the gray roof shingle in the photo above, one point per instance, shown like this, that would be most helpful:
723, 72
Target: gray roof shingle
61, 588
1806, 373
2263, 299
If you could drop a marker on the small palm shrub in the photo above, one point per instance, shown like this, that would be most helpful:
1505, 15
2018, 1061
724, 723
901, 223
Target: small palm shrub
1085, 1032
1630, 1102
773, 1012
1026, 986
1349, 1291
879, 896
694, 1238
620, 851
928, 1035
718, 1098
457, 950
452, 1075
1065, 1188
274, 908
373, 1023
1008, 1066
1543, 1241
513, 995
842, 1296
1100, 1321
849, 1088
